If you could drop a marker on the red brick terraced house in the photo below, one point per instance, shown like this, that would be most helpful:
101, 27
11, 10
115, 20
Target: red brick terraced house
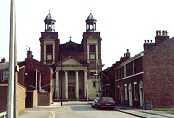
108, 82
147, 79
38, 82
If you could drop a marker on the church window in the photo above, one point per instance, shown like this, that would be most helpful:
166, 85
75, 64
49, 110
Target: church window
92, 56
94, 84
92, 48
49, 49
49, 52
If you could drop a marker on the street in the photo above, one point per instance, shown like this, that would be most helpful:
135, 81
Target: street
72, 110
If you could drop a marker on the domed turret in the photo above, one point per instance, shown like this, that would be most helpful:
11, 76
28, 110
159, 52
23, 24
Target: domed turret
90, 23
49, 23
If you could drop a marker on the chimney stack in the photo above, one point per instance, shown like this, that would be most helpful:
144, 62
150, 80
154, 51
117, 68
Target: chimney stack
127, 53
161, 36
29, 54
3, 60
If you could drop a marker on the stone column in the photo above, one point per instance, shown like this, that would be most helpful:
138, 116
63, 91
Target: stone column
96, 46
88, 53
57, 85
130, 95
40, 83
53, 52
85, 84
66, 84
77, 85
141, 93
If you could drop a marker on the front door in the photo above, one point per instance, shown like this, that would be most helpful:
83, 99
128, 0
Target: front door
71, 92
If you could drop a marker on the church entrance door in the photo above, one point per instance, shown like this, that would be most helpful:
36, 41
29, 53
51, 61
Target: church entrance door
71, 93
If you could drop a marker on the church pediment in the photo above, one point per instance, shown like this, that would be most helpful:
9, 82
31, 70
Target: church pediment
71, 61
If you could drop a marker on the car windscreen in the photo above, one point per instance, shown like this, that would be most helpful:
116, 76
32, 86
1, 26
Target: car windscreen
107, 99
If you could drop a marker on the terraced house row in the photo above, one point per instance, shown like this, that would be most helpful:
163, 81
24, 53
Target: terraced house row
145, 80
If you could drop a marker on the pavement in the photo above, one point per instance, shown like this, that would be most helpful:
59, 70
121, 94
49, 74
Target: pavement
146, 113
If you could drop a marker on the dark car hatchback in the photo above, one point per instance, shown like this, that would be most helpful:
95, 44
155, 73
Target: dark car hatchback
105, 103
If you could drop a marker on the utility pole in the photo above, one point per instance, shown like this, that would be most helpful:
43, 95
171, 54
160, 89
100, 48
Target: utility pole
11, 106
61, 101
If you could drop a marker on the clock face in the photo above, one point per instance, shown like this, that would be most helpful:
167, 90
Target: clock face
49, 57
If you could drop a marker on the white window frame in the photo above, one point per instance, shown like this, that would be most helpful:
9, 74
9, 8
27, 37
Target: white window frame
5, 75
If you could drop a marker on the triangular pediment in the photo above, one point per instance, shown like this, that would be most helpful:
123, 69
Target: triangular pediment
70, 61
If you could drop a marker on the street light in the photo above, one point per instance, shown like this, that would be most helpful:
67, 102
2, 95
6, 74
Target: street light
11, 105
61, 101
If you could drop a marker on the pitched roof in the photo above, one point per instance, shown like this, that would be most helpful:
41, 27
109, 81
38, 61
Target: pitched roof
71, 47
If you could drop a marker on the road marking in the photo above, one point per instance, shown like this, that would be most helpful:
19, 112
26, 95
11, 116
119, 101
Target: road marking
52, 114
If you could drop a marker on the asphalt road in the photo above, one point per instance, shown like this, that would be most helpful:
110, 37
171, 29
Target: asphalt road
72, 110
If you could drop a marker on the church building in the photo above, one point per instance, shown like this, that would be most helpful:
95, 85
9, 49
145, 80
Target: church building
76, 66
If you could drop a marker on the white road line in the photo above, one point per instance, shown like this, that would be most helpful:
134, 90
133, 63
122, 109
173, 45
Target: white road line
52, 114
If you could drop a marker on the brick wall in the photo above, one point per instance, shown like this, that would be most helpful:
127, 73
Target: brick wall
20, 98
159, 75
3, 98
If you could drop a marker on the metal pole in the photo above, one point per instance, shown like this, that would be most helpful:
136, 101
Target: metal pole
61, 101
36, 81
11, 113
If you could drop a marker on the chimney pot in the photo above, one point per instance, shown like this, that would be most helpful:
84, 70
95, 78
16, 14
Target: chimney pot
166, 33
159, 32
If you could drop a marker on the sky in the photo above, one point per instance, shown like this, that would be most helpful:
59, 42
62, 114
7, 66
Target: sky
124, 24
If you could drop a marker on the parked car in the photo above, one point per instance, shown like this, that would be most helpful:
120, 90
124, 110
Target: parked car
104, 103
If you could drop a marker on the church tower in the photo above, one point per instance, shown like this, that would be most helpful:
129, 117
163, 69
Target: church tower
92, 43
92, 53
49, 42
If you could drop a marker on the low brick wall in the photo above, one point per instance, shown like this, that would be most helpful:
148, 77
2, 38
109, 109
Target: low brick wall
35, 98
44, 99
3, 97
20, 98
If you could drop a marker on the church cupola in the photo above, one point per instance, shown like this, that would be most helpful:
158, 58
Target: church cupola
90, 23
49, 23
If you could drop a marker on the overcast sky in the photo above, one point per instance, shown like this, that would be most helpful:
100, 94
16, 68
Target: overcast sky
123, 23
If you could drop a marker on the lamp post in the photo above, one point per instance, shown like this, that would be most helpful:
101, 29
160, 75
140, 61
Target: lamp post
61, 101
11, 105
98, 78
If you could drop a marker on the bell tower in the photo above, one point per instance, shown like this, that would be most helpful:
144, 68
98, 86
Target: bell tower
92, 54
49, 42
92, 42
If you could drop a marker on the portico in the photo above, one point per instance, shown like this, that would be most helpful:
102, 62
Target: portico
73, 80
